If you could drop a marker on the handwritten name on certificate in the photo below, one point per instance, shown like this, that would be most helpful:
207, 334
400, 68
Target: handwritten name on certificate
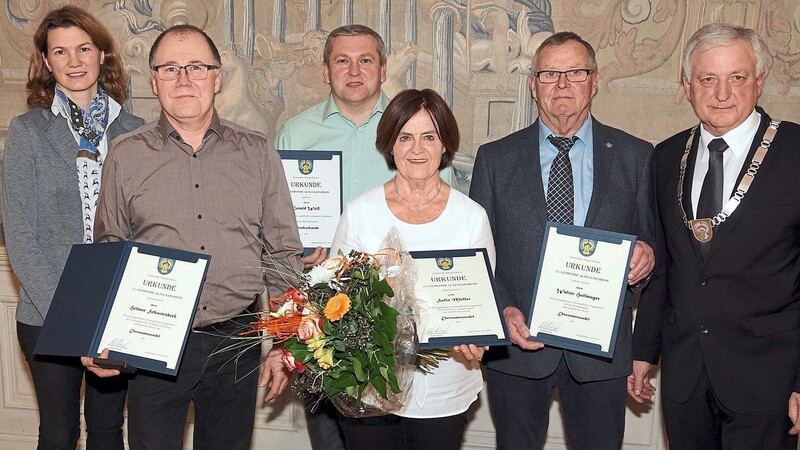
315, 184
456, 299
154, 307
580, 288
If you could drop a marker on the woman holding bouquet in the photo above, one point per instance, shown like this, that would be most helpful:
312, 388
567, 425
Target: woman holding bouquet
51, 181
418, 136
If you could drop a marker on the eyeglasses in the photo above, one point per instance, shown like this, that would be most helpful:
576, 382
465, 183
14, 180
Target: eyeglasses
573, 75
170, 72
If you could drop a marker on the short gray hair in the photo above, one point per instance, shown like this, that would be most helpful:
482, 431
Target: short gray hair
562, 38
723, 34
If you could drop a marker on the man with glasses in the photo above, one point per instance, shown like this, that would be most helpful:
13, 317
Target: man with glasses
567, 167
193, 181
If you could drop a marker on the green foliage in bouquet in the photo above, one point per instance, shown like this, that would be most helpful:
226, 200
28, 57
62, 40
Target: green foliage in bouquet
345, 341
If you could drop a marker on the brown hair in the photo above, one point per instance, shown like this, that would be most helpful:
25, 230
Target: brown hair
353, 30
41, 82
402, 108
182, 30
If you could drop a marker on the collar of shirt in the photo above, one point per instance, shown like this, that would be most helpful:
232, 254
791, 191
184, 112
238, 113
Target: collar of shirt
167, 130
739, 140
114, 109
584, 135
331, 108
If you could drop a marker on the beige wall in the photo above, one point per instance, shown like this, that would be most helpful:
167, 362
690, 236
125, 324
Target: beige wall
271, 72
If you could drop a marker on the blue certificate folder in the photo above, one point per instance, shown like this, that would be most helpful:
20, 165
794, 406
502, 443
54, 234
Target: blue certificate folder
85, 294
477, 339
590, 237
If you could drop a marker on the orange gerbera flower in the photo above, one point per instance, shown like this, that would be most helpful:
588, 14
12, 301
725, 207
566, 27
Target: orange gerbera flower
337, 306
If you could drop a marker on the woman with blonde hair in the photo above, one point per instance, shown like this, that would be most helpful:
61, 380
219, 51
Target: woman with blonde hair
50, 183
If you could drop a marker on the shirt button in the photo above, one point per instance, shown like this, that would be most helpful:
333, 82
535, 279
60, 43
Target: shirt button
703, 329
205, 308
202, 247
194, 155
703, 281
197, 185
199, 216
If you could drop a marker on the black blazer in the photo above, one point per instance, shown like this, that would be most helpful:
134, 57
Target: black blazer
736, 311
507, 182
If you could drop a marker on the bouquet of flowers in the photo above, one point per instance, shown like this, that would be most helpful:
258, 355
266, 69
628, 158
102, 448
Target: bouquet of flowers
347, 334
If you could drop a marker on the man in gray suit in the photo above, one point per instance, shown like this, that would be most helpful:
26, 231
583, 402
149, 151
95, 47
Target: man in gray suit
608, 186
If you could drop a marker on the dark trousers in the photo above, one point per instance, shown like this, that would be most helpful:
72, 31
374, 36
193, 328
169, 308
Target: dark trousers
393, 432
222, 388
57, 382
594, 412
322, 423
703, 422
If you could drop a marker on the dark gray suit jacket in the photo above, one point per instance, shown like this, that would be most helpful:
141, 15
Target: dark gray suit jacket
41, 203
507, 182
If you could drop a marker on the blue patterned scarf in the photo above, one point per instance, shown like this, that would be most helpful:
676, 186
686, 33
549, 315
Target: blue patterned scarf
90, 125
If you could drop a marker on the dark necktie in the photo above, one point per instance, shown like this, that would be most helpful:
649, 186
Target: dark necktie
710, 203
560, 189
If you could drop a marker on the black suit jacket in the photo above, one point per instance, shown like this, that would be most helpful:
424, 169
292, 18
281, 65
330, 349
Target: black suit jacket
736, 311
507, 182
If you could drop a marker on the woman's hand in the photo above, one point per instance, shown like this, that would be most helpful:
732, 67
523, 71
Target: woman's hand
88, 362
471, 351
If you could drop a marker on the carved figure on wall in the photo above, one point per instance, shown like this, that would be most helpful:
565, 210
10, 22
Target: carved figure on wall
244, 94
621, 26
779, 26
294, 67
398, 63
499, 33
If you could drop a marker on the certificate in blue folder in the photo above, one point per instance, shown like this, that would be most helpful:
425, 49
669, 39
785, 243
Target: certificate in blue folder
137, 300
456, 297
315, 184
580, 288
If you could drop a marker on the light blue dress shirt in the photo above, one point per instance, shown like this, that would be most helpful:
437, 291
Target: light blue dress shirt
582, 161
324, 127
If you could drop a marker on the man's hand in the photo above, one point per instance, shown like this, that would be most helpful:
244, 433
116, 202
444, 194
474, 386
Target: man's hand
518, 331
639, 386
315, 258
88, 362
275, 376
642, 262
794, 412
